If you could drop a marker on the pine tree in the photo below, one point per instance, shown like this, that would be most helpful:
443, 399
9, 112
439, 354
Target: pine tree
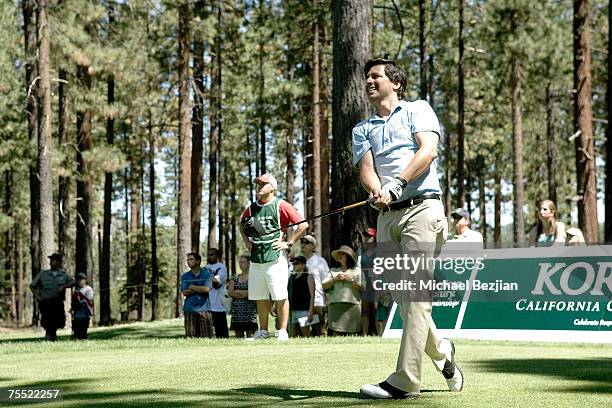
351, 49
45, 143
29, 25
608, 178
583, 119
184, 165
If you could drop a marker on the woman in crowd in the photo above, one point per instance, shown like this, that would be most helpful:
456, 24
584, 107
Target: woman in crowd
344, 293
244, 311
301, 297
548, 230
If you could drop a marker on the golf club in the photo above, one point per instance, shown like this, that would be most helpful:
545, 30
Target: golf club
253, 228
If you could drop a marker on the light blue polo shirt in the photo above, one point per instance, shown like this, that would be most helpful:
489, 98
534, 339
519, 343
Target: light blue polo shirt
393, 144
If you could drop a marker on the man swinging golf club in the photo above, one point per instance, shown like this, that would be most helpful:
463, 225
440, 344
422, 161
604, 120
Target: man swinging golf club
395, 151
261, 231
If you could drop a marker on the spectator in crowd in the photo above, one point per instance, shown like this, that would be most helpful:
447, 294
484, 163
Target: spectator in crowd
195, 286
368, 294
344, 293
301, 297
49, 290
548, 230
463, 232
318, 268
82, 308
383, 308
219, 277
244, 311
574, 237
269, 270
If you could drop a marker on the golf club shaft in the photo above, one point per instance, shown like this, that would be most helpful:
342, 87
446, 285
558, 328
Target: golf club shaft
338, 210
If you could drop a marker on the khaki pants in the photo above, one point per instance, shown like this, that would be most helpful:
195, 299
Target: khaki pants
418, 231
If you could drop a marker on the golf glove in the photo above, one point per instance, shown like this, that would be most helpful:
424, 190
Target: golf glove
394, 188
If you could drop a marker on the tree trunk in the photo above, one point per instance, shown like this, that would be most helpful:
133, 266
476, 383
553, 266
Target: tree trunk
430, 80
29, 24
233, 212
551, 163
260, 98
250, 168
517, 138
105, 253
153, 201
153, 204
460, 114
422, 52
220, 160
64, 182
104, 278
184, 188
197, 136
469, 181
482, 207
45, 143
20, 273
289, 159
448, 177
256, 157
142, 247
128, 238
497, 207
308, 166
83, 259
9, 268
213, 161
316, 127
608, 178
134, 282
352, 48
583, 123
448, 198
324, 137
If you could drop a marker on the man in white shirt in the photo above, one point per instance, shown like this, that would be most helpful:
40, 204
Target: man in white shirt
318, 268
463, 233
219, 273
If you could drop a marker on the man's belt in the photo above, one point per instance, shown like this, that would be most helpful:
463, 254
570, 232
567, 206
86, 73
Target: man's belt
400, 205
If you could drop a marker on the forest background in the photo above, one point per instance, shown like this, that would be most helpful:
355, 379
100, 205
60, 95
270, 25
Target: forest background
131, 131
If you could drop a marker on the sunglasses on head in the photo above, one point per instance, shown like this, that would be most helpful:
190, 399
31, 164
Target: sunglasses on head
456, 217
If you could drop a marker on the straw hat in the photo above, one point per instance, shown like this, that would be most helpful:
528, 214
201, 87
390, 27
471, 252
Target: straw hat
344, 249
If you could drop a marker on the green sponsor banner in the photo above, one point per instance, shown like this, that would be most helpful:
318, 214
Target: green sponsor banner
565, 289
550, 294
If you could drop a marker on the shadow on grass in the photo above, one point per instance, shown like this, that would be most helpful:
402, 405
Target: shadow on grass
143, 331
289, 394
596, 371
118, 332
76, 393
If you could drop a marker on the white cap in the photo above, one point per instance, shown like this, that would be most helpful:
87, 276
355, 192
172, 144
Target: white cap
267, 178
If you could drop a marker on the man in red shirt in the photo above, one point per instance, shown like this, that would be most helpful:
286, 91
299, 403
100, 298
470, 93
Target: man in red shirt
269, 272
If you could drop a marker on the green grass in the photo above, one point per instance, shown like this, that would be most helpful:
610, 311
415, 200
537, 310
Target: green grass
152, 365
